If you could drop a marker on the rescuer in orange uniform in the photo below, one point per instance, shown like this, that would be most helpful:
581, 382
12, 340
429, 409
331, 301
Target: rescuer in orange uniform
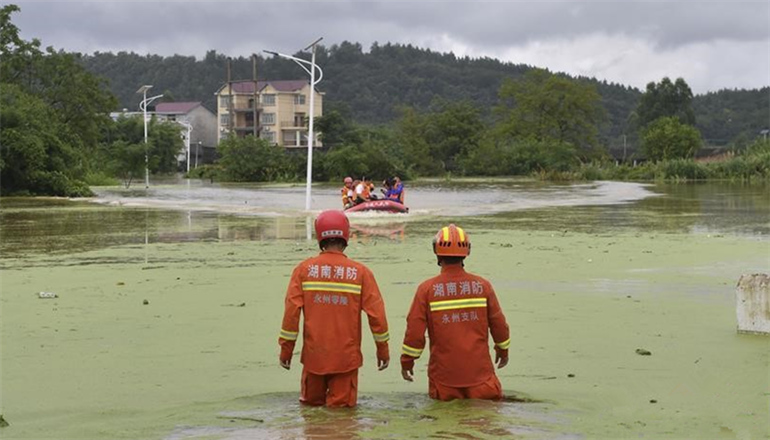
331, 291
459, 310
347, 191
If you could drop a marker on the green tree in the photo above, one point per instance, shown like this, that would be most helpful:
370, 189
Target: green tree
34, 157
369, 159
668, 138
251, 159
127, 161
410, 130
73, 106
335, 128
432, 142
165, 144
18, 56
549, 108
666, 99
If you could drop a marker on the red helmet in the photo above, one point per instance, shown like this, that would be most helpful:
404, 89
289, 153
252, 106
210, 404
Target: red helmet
348, 180
451, 241
332, 224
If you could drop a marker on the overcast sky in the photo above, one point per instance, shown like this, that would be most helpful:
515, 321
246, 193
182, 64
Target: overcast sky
712, 45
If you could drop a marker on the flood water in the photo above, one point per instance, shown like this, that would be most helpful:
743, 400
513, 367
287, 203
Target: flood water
197, 210
169, 303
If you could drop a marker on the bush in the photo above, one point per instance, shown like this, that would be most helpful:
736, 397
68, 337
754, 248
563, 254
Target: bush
100, 178
56, 183
667, 138
593, 172
683, 169
209, 171
251, 159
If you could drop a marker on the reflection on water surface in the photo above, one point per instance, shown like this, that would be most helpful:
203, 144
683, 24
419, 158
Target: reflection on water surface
381, 415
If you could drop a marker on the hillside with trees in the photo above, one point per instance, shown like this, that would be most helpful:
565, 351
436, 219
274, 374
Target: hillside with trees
372, 86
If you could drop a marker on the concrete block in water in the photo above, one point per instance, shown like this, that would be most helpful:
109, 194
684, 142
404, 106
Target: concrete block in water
753, 304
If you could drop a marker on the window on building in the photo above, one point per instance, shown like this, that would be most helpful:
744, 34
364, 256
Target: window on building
268, 118
224, 101
224, 120
268, 99
299, 99
269, 136
299, 119
289, 138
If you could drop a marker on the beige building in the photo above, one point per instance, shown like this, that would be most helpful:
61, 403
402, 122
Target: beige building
279, 116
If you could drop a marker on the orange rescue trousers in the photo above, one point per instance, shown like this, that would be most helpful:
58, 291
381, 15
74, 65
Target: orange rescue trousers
332, 390
489, 390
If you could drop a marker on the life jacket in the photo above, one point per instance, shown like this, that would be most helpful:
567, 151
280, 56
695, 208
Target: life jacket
347, 194
365, 192
397, 193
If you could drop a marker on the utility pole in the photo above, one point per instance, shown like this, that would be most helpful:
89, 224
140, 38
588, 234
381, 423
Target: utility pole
230, 102
624, 148
254, 102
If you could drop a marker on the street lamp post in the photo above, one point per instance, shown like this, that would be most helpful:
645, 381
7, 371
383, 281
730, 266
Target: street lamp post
143, 107
313, 82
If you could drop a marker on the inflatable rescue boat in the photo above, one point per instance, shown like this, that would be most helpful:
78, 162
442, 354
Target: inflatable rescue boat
379, 205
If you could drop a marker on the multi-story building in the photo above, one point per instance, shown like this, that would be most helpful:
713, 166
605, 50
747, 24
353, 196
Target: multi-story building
273, 110
202, 120
202, 124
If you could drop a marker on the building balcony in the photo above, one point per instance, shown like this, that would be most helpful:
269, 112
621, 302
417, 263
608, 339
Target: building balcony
246, 108
303, 145
293, 124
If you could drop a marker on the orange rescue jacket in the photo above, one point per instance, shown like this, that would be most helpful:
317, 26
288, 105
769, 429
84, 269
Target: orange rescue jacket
459, 310
347, 193
331, 291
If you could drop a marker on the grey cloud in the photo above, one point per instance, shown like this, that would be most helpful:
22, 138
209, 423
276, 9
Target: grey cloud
240, 28
490, 24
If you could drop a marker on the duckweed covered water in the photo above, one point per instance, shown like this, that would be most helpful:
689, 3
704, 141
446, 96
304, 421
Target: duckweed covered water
582, 290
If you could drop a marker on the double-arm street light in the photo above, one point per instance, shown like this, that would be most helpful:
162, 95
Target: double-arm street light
313, 81
143, 107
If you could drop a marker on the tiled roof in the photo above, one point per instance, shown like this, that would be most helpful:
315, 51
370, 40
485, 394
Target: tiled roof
176, 108
280, 85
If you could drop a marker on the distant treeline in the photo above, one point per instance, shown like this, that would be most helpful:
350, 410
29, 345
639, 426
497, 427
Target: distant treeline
370, 86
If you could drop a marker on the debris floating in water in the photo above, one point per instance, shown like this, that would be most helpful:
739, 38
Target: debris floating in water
145, 302
45, 295
3, 423
643, 352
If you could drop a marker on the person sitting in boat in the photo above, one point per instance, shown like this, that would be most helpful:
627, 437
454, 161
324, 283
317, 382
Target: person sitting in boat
370, 185
396, 191
362, 193
387, 185
347, 193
